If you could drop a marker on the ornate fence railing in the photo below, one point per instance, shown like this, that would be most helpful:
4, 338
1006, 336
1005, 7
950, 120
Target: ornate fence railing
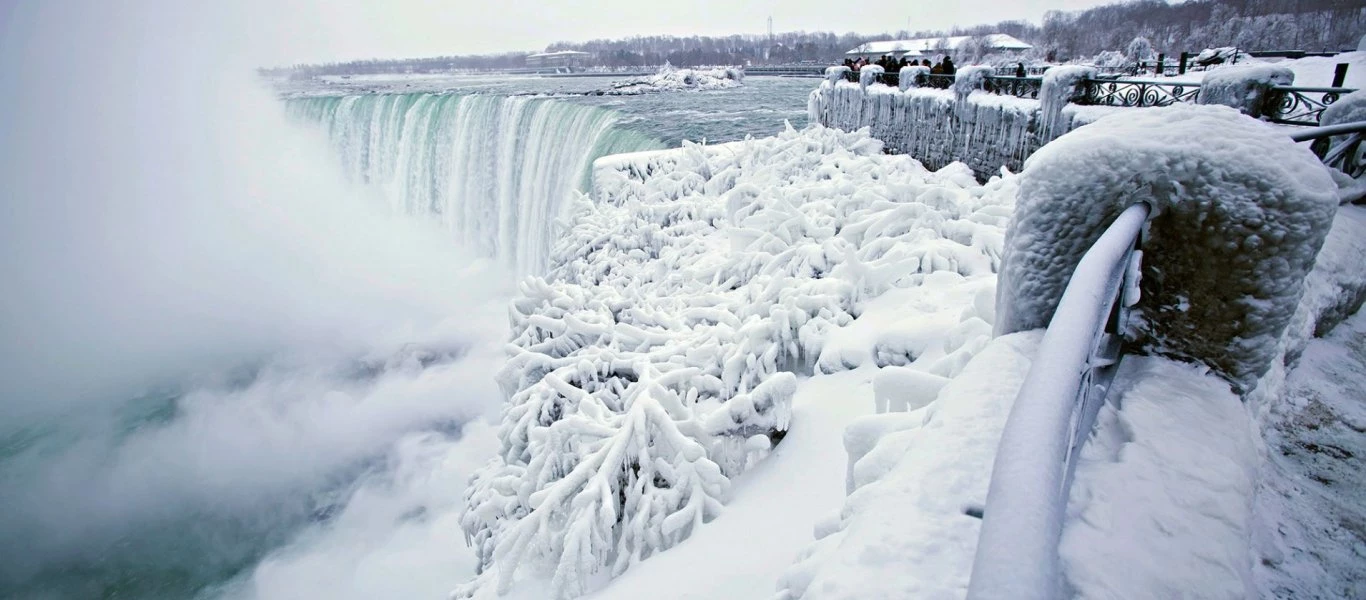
1302, 105
1289, 105
1020, 87
1137, 92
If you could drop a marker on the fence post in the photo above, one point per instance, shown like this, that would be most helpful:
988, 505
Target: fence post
1340, 75
1181, 68
1160, 59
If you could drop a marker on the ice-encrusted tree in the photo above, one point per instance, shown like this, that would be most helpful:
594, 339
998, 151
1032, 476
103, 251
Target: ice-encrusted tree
1140, 49
657, 360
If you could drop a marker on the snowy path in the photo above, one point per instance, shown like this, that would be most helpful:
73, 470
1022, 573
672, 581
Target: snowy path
774, 507
1312, 502
1162, 498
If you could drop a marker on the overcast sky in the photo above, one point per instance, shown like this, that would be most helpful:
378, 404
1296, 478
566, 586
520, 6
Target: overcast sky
318, 30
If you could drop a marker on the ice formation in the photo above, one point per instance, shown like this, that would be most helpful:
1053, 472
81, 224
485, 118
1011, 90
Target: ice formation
1242, 212
672, 79
1061, 85
985, 131
970, 79
905, 530
655, 361
869, 75
1246, 88
910, 75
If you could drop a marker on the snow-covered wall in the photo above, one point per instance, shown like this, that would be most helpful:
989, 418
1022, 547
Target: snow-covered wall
938, 127
1242, 212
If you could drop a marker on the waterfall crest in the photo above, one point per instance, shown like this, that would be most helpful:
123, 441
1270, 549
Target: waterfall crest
495, 170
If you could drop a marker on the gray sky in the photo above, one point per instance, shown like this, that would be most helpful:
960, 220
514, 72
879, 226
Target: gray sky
317, 30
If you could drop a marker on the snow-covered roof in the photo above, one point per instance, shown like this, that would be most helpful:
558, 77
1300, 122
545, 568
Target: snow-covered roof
997, 41
565, 53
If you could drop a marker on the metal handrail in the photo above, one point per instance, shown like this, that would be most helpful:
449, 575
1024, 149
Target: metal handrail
1017, 552
1313, 90
1056, 407
1323, 131
1341, 154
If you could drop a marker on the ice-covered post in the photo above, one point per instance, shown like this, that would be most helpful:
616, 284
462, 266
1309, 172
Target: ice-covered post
1061, 86
1250, 89
1241, 214
910, 76
868, 75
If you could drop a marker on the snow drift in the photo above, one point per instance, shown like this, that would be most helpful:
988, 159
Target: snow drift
1242, 212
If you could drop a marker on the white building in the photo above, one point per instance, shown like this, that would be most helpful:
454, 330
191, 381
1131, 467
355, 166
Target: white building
563, 58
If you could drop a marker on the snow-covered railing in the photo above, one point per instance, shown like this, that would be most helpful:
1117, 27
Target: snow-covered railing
1302, 105
1289, 105
1339, 154
1137, 92
1017, 552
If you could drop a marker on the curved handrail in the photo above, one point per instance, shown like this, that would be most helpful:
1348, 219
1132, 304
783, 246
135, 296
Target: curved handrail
1017, 552
1341, 154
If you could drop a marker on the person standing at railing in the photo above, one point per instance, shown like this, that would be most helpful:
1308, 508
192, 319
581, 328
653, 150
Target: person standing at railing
1019, 70
949, 69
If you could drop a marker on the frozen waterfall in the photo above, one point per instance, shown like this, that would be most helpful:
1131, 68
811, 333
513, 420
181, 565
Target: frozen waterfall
495, 170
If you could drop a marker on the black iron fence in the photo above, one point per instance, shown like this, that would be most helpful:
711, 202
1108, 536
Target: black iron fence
1136, 92
1288, 104
1302, 105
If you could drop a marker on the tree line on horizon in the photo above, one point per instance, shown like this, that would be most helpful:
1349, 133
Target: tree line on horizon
1250, 25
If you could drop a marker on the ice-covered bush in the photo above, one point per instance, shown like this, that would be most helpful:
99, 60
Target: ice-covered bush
656, 360
1246, 88
1242, 212
1110, 59
1139, 50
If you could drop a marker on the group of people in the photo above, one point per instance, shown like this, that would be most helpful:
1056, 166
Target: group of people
894, 65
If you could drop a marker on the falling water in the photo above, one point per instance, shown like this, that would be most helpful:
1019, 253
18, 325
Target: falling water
495, 170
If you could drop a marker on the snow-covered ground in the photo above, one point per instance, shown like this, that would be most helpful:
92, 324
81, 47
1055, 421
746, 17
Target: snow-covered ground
1313, 71
652, 372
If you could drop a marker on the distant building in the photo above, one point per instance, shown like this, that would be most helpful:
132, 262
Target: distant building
555, 60
996, 42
